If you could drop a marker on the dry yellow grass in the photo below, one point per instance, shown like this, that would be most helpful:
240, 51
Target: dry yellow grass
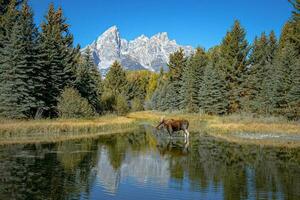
222, 127
60, 124
258, 127
61, 129
224, 123
57, 137
14, 131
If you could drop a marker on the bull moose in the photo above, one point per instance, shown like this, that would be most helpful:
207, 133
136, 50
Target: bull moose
173, 125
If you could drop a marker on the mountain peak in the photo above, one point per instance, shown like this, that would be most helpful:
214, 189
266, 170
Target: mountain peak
113, 28
161, 36
140, 53
112, 32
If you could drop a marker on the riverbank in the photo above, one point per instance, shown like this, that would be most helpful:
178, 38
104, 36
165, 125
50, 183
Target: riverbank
225, 127
53, 130
233, 127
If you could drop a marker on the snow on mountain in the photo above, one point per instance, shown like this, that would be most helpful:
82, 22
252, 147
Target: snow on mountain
141, 53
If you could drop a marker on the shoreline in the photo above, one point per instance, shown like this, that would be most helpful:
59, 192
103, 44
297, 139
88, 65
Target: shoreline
222, 127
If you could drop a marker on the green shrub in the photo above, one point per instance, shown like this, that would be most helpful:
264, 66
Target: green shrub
136, 105
72, 105
122, 107
108, 101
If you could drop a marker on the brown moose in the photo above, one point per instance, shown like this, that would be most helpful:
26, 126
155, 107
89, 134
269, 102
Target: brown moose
173, 125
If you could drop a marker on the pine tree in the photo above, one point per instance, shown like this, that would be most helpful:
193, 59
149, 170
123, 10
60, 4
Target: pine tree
7, 21
232, 61
57, 57
260, 65
177, 64
284, 82
192, 80
115, 79
88, 80
212, 98
4, 4
20, 80
114, 85
293, 95
156, 98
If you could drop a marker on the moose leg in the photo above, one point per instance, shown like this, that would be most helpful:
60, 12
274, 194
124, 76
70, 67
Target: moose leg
170, 130
186, 134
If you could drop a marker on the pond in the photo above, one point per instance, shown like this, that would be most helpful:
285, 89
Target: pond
148, 165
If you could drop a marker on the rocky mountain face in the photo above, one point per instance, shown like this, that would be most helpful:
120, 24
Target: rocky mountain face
141, 53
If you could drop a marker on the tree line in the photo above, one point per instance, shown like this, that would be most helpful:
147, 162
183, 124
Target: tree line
42, 73
236, 76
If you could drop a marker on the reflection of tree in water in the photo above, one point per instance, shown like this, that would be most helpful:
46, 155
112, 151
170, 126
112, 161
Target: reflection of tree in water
34, 172
274, 171
242, 170
68, 169
137, 160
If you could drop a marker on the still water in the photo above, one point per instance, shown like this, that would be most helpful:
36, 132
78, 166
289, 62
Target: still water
148, 165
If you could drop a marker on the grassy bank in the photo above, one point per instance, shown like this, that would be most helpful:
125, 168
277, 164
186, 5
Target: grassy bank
34, 131
224, 124
15, 131
226, 127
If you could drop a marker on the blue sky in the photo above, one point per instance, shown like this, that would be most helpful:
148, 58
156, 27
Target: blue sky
190, 22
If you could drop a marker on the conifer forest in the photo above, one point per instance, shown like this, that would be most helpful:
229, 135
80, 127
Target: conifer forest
43, 74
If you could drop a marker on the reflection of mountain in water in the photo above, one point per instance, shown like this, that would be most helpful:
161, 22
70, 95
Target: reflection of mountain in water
143, 168
146, 167
107, 176
98, 168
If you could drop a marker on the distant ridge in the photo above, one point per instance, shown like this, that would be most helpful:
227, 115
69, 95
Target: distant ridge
141, 53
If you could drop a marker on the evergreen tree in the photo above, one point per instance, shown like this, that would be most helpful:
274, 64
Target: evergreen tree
284, 82
177, 64
213, 96
260, 65
192, 80
115, 80
291, 30
114, 85
293, 95
7, 20
88, 81
232, 61
19, 76
57, 57
157, 99
4, 4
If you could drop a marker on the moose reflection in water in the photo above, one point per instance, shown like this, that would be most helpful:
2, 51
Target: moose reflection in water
173, 125
148, 166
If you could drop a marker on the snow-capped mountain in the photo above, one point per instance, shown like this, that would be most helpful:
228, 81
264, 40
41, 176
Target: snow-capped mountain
141, 53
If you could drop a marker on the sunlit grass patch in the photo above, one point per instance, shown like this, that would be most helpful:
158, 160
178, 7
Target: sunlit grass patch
22, 131
226, 126
14, 131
